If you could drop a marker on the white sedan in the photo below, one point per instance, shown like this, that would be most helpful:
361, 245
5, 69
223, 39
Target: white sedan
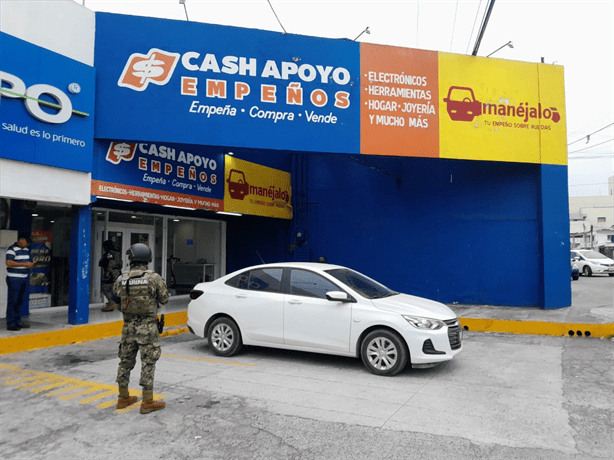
323, 308
592, 262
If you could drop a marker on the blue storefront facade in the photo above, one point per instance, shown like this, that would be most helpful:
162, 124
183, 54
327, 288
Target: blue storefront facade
47, 113
372, 185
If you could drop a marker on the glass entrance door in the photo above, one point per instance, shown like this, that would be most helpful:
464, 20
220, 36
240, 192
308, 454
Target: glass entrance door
126, 237
123, 236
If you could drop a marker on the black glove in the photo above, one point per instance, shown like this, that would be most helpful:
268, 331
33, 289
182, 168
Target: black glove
161, 324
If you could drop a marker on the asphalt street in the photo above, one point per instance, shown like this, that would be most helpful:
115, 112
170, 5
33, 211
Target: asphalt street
505, 396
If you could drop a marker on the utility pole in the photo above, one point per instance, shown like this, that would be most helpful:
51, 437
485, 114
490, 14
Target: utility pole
483, 28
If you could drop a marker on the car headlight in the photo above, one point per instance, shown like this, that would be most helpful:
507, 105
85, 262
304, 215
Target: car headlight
424, 323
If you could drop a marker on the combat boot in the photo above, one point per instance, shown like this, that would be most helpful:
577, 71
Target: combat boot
111, 306
149, 405
124, 400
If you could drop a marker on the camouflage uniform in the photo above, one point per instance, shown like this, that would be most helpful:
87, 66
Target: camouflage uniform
111, 263
139, 307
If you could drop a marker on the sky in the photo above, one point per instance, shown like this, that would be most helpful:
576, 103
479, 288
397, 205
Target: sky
578, 35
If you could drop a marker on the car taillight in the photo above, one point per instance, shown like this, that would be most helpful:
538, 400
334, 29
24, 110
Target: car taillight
195, 294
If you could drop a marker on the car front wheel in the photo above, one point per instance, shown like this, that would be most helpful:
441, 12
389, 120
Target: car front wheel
224, 337
384, 353
587, 271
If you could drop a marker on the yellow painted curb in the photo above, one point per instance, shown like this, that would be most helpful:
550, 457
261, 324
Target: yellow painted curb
78, 334
538, 327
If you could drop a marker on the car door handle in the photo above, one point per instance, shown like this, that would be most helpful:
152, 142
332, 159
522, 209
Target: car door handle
241, 296
295, 302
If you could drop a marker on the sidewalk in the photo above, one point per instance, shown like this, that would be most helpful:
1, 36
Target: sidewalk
49, 326
589, 316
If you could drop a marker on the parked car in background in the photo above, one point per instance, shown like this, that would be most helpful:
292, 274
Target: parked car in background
575, 271
323, 308
591, 262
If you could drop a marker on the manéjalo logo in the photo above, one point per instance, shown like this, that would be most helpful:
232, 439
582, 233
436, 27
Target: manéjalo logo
239, 188
462, 105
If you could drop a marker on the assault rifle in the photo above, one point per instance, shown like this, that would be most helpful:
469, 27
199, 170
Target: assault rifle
161, 323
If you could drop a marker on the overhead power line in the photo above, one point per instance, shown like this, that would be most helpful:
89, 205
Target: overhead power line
282, 27
473, 28
453, 26
592, 157
591, 146
181, 2
588, 136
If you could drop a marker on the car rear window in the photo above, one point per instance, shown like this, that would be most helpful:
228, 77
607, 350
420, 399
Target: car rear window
267, 279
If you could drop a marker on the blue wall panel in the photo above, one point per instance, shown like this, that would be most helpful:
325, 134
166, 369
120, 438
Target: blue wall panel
250, 237
555, 248
449, 230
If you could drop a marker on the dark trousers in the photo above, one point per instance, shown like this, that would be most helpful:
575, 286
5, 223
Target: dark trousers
18, 287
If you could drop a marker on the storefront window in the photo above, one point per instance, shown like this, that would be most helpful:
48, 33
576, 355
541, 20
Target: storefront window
50, 248
194, 253
184, 251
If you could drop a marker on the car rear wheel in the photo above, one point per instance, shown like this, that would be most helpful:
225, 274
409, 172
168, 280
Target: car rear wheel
587, 271
224, 337
384, 353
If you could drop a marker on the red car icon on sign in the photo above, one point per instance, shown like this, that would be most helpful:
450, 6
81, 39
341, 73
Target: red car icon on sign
237, 185
461, 104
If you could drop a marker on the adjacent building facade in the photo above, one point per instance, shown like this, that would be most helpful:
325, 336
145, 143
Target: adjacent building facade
592, 220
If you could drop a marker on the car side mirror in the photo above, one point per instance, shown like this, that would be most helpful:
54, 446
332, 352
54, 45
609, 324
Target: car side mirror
338, 296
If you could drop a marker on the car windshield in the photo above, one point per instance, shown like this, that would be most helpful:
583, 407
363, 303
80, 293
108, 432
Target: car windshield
593, 255
361, 284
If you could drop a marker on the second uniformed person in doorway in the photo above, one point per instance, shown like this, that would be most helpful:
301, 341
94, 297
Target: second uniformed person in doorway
111, 264
141, 291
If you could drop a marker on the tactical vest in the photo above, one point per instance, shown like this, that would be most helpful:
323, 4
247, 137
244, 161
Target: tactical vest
138, 293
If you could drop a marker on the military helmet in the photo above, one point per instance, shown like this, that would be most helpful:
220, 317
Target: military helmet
139, 252
108, 245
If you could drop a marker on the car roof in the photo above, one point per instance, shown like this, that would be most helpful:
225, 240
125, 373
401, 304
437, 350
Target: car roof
312, 265
306, 265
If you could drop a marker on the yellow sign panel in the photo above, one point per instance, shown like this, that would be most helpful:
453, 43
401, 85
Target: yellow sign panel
498, 110
554, 140
258, 190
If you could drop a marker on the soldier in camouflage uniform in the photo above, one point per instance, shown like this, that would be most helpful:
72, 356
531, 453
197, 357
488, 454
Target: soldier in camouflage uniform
141, 291
111, 264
